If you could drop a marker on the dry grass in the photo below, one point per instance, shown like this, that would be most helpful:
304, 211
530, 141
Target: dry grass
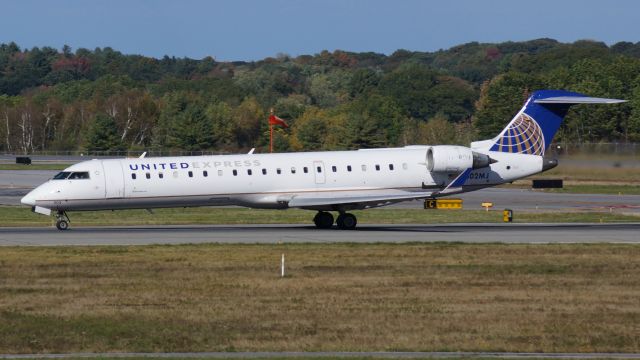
422, 297
600, 175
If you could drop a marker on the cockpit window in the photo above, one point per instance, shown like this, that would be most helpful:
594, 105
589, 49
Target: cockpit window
71, 175
79, 175
61, 175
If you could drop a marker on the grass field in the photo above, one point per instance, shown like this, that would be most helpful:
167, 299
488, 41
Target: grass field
350, 297
236, 356
22, 216
611, 175
581, 187
34, 166
609, 189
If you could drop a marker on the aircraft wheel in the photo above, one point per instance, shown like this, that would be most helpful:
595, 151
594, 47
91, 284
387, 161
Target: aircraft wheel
323, 220
62, 224
347, 221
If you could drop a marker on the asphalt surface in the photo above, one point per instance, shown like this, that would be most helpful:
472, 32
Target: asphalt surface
273, 234
342, 354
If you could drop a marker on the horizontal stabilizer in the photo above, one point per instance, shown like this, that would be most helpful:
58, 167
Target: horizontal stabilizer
577, 100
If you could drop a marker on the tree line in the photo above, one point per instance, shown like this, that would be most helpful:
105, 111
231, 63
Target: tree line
103, 100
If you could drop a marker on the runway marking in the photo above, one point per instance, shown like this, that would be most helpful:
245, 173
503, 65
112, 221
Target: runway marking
300, 354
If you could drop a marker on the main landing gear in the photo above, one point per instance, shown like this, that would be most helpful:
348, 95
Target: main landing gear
62, 220
345, 221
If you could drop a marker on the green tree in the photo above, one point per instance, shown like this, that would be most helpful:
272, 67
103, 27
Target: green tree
250, 123
500, 99
311, 133
361, 132
409, 86
222, 125
452, 98
191, 129
321, 92
634, 120
103, 135
363, 81
382, 111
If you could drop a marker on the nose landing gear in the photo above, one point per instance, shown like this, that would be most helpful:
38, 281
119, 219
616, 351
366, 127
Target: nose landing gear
345, 221
62, 220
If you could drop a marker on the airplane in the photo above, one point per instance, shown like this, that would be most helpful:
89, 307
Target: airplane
327, 181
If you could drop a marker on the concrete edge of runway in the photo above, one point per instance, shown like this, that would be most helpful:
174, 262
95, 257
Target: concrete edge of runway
340, 354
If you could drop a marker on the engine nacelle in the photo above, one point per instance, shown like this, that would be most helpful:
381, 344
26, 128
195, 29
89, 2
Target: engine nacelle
455, 159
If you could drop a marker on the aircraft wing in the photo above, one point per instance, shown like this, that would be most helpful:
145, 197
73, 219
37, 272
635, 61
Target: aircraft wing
356, 199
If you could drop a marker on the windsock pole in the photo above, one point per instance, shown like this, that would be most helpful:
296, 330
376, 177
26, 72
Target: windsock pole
271, 134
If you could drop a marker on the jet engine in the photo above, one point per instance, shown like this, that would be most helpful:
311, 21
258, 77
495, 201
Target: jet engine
455, 159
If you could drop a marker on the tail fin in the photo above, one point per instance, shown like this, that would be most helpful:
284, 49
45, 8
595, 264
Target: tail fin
534, 126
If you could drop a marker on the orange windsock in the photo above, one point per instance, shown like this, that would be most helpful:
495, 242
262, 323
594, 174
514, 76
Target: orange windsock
274, 120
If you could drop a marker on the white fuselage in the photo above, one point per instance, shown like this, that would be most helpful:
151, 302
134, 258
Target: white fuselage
261, 180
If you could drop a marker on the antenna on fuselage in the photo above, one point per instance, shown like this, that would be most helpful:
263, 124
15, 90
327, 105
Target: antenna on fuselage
143, 155
251, 151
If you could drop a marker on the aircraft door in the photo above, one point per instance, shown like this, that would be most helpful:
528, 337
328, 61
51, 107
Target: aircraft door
318, 170
113, 179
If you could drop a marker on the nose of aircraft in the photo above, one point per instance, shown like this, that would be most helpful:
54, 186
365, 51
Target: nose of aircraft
29, 199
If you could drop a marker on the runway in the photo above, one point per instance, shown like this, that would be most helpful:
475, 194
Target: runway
273, 234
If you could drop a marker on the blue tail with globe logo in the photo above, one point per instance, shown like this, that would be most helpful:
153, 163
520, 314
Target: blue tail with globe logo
533, 128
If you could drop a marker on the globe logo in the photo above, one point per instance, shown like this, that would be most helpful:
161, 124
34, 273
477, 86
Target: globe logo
523, 136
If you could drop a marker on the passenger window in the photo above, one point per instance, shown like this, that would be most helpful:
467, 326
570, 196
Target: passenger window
160, 175
405, 166
147, 175
133, 176
264, 171
175, 174
305, 169
377, 167
65, 174
364, 167
205, 173
334, 169
391, 167
235, 172
293, 170
190, 173
249, 172
219, 172
278, 171
319, 169
349, 168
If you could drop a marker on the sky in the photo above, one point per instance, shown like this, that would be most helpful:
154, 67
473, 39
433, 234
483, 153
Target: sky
248, 30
